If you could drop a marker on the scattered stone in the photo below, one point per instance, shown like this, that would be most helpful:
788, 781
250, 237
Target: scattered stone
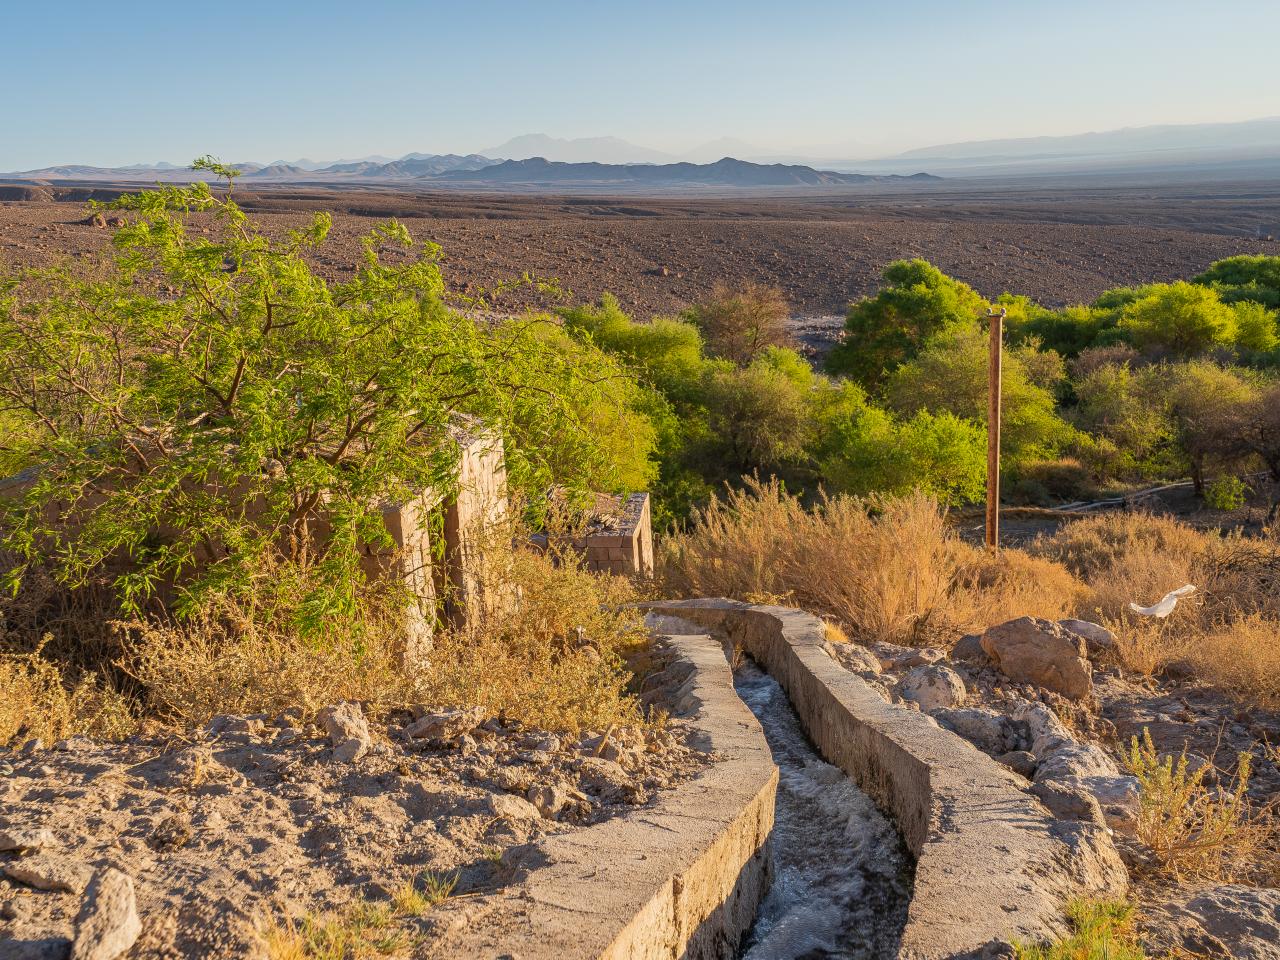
933, 687
48, 872
108, 923
509, 807
1223, 921
1033, 650
854, 657
348, 731
990, 732
19, 840
444, 726
549, 799
894, 657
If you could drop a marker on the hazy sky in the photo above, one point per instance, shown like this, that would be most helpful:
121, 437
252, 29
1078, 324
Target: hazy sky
123, 82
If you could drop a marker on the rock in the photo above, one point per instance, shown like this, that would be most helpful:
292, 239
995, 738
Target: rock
108, 923
854, 657
509, 807
348, 731
985, 729
1223, 921
1120, 798
1068, 801
549, 799
443, 726
894, 657
47, 872
609, 780
1022, 762
968, 649
1097, 638
46, 948
25, 841
1032, 650
933, 687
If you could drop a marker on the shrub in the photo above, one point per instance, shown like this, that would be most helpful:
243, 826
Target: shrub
1182, 318
1226, 493
557, 662
1195, 831
740, 324
38, 701
950, 374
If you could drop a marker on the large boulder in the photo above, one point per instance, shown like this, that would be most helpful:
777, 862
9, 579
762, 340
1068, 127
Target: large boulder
933, 687
992, 733
1033, 650
1223, 921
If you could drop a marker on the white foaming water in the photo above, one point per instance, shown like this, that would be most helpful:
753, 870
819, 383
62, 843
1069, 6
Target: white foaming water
842, 879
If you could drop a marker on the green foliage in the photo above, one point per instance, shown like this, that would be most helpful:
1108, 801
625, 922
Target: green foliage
951, 375
1182, 318
210, 401
939, 454
1253, 277
918, 304
1226, 493
1100, 930
1256, 328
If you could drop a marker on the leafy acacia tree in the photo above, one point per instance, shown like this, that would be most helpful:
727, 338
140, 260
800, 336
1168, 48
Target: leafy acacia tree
918, 304
951, 375
210, 401
1182, 318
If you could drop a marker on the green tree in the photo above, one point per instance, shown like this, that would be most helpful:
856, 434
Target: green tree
951, 375
919, 303
210, 401
1183, 318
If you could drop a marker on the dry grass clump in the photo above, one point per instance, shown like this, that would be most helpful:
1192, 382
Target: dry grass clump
555, 661
363, 931
887, 568
1195, 831
559, 663
38, 701
1227, 633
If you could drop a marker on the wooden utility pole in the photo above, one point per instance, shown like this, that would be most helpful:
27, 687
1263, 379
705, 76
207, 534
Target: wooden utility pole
996, 319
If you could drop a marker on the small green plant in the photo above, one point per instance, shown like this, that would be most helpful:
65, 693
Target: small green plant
1226, 493
1100, 930
417, 897
365, 930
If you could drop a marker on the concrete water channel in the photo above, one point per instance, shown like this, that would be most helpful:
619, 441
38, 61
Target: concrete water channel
841, 874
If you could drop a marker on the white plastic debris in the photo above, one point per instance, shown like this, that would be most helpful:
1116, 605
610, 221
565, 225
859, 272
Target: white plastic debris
1166, 604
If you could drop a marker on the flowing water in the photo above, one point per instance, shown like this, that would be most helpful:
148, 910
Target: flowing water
842, 878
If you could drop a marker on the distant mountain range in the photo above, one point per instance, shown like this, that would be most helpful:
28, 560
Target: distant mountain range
726, 172
1247, 148
474, 170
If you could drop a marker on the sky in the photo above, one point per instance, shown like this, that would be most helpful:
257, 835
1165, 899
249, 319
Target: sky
127, 82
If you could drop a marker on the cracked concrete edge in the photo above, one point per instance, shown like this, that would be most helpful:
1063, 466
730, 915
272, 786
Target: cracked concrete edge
992, 865
680, 879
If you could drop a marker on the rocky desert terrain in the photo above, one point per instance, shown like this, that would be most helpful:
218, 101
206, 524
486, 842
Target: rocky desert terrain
1058, 244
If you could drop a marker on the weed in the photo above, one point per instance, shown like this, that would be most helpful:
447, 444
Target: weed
1195, 831
1100, 930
